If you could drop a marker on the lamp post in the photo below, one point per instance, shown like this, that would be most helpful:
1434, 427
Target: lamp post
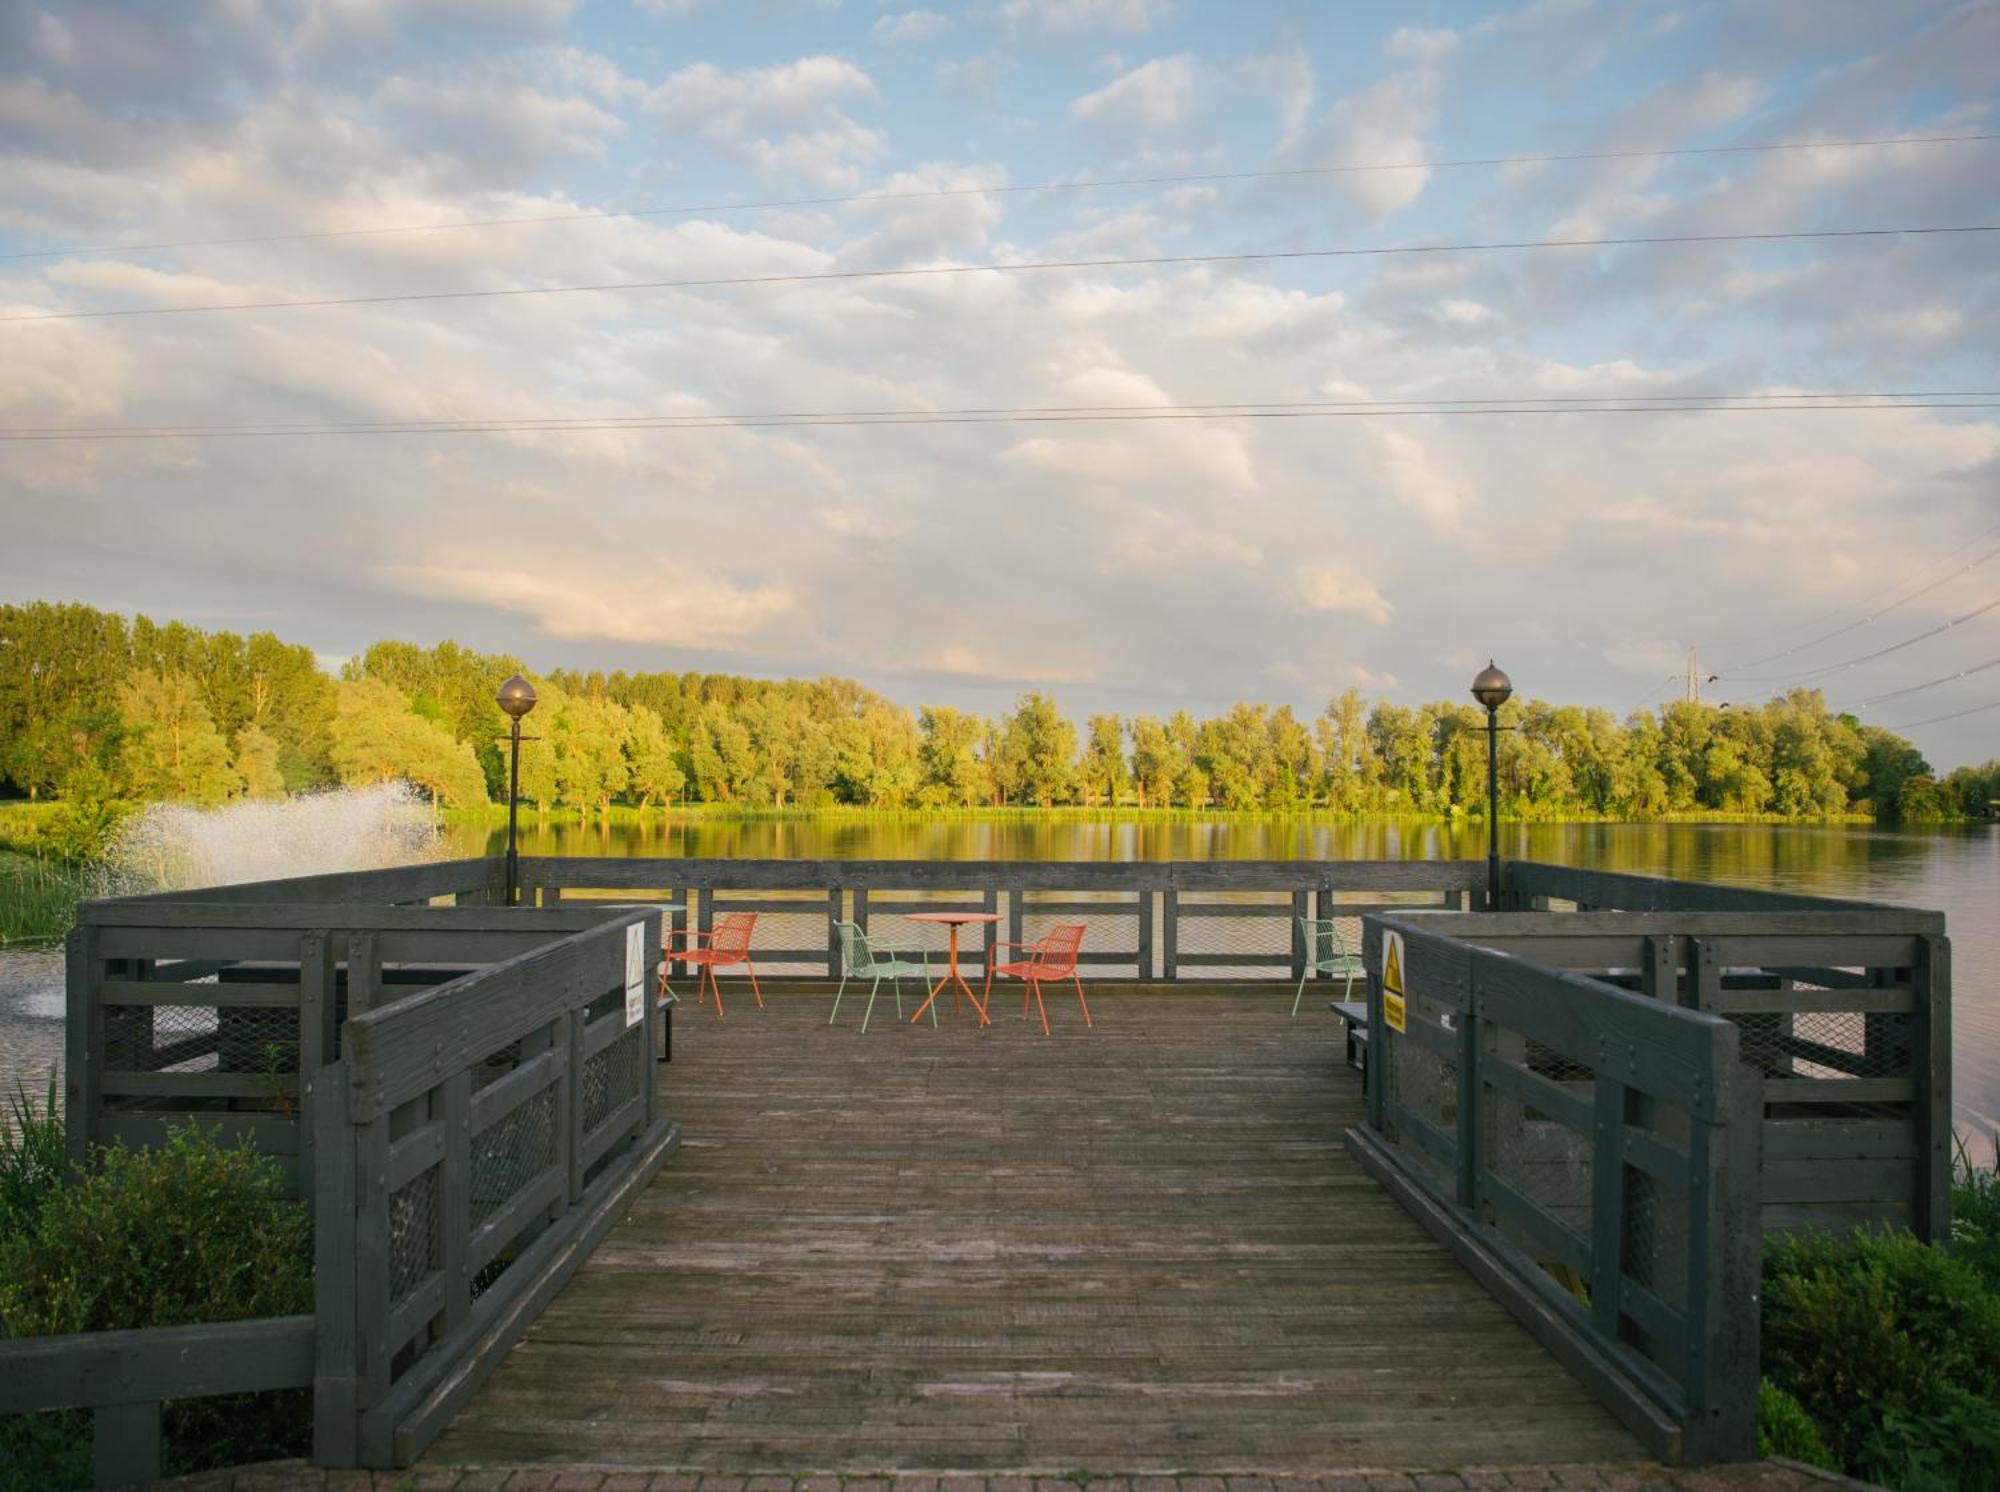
516, 697
1492, 688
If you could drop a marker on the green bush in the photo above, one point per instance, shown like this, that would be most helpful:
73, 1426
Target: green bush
1892, 1346
32, 1158
1975, 1214
188, 1231
1785, 1429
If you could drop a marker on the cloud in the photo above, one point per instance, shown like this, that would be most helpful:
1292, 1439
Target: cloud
1155, 97
1061, 16
911, 25
1384, 123
787, 119
693, 612
1329, 588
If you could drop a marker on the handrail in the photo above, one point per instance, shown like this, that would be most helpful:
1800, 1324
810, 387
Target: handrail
123, 1377
1537, 1119
473, 1143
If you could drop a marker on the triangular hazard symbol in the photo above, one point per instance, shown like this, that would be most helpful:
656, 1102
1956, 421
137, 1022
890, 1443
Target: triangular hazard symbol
1392, 966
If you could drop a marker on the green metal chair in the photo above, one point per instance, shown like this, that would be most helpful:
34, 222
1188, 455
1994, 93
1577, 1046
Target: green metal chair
864, 958
1326, 953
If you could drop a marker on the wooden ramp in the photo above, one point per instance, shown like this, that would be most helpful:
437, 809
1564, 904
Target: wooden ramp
1130, 1249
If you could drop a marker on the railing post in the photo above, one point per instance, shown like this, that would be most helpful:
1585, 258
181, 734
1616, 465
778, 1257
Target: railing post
1470, 1137
1607, 1199
316, 1042
571, 1158
455, 1196
364, 972
1656, 968
1725, 1264
1701, 979
1146, 914
83, 1055
1381, 1049
1931, 1057
832, 932
125, 1443
1170, 931
335, 1347
1298, 937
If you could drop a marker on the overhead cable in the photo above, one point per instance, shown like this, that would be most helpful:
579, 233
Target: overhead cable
1156, 261
923, 193
572, 425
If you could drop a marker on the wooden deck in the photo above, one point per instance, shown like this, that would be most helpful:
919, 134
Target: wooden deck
1138, 1248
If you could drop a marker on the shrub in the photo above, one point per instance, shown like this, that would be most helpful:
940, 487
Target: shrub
32, 1158
1892, 1346
1975, 1214
188, 1231
1785, 1429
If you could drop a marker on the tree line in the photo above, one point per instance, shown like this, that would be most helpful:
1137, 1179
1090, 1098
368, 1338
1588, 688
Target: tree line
95, 708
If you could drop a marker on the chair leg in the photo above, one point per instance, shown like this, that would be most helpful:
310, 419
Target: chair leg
1301, 992
836, 998
1039, 1006
871, 1006
897, 981
753, 983
1081, 1001
1027, 995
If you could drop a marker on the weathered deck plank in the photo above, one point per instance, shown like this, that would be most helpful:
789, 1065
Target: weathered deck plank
1135, 1248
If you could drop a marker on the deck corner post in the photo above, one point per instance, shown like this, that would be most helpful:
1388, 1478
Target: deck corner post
1725, 1267
1932, 1053
336, 1373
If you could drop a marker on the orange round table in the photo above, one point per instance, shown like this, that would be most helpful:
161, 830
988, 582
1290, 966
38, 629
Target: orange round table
954, 921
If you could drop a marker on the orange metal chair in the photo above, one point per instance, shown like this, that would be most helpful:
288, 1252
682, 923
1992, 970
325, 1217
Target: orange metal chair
1052, 957
727, 946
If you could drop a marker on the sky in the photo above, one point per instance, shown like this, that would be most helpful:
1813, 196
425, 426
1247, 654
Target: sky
223, 152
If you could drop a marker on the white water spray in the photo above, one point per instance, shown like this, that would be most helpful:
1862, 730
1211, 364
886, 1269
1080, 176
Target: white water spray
172, 847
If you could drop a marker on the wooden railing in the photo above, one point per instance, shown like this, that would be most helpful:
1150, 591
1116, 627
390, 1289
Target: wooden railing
475, 1141
225, 1011
1148, 920
1844, 1016
123, 1377
1591, 1155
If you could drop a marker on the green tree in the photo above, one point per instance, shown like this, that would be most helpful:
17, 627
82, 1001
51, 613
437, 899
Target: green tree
1157, 767
172, 749
257, 763
589, 733
1040, 744
656, 775
1101, 773
59, 664
378, 738
948, 753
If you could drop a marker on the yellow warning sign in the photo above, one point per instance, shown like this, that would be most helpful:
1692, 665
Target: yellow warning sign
1392, 980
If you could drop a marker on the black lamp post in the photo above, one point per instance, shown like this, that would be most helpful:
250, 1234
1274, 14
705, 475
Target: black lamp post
516, 697
1492, 688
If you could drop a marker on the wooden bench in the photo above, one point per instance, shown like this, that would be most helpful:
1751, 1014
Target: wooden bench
1355, 1014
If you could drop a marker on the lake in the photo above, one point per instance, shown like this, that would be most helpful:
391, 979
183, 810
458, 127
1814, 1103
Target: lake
1956, 872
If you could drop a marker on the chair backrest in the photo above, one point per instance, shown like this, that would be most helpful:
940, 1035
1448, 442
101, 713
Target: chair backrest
856, 957
1055, 954
732, 936
1323, 941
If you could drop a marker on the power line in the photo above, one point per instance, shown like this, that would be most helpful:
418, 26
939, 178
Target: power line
912, 272
1905, 400
1923, 589
1950, 678
1350, 168
1908, 642
1940, 719
565, 426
